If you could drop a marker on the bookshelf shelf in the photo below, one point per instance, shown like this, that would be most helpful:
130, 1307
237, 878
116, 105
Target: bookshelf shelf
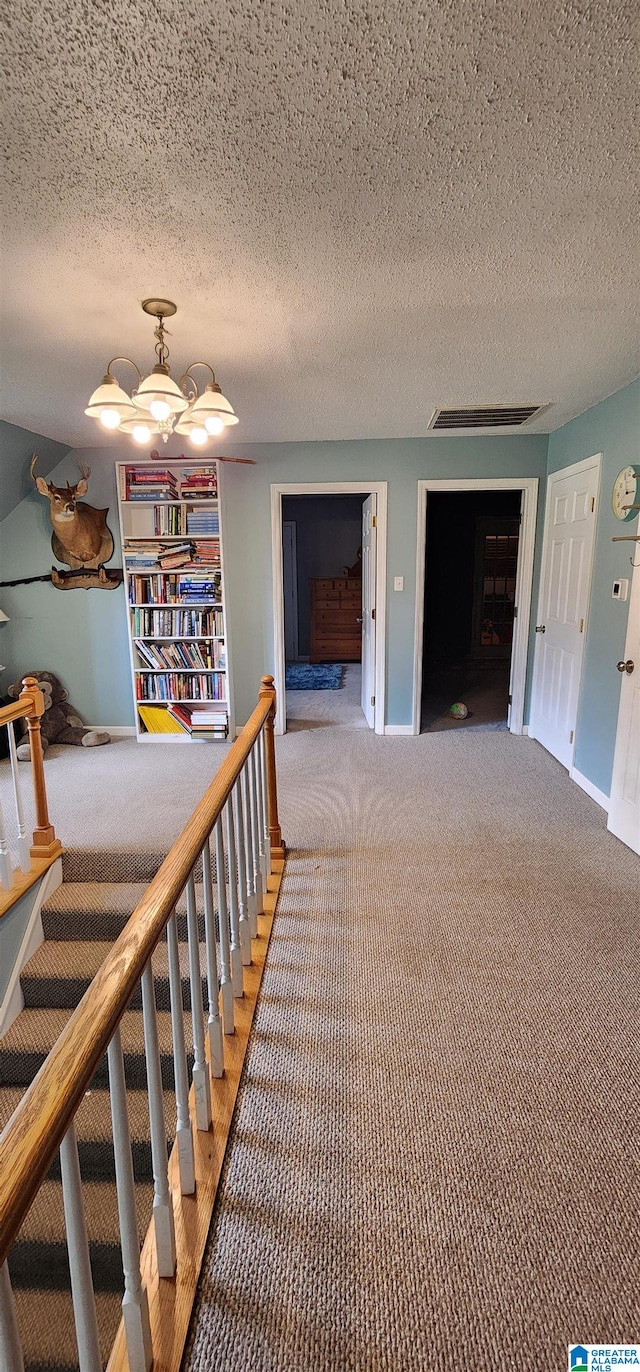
170, 512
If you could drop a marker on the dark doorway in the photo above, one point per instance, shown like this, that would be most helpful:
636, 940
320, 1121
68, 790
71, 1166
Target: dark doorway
471, 563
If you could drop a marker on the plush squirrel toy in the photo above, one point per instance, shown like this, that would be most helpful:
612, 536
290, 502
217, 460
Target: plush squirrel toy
59, 723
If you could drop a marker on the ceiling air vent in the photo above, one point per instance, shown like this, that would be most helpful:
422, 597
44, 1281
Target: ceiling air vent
483, 416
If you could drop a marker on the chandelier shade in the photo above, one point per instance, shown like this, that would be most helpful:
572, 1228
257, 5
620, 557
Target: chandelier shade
159, 405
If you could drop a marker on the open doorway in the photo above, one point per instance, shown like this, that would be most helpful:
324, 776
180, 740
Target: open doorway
329, 603
469, 601
322, 582
474, 575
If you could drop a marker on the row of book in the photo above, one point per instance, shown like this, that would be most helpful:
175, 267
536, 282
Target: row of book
175, 588
176, 623
180, 719
206, 655
180, 686
162, 483
167, 519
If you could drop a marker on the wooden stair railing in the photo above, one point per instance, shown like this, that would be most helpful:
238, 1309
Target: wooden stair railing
159, 1286
33, 859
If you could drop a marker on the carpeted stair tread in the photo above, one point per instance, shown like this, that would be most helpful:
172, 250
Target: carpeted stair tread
95, 1133
60, 972
39, 1255
88, 910
34, 1032
45, 1321
115, 864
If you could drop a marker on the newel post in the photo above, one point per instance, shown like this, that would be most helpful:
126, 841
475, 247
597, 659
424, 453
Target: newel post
45, 843
267, 691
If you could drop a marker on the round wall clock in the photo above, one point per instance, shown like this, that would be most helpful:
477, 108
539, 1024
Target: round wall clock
625, 497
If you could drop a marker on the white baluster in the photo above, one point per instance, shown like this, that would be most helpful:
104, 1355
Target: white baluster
264, 806
260, 790
246, 855
255, 829
135, 1306
184, 1131
162, 1205
226, 985
6, 871
24, 856
236, 956
10, 1348
84, 1306
244, 928
200, 1073
214, 1023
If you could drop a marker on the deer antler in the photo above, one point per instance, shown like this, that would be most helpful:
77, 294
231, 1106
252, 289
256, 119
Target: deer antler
32, 465
85, 472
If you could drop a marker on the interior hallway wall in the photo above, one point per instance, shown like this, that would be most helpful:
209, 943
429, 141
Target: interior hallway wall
613, 429
82, 634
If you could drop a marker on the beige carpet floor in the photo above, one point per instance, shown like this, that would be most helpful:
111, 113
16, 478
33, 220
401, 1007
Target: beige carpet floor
322, 709
435, 1158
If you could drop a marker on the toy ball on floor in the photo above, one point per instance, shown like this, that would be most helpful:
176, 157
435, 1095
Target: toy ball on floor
458, 710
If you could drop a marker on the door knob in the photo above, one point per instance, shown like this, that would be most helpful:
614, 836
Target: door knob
541, 628
358, 619
627, 666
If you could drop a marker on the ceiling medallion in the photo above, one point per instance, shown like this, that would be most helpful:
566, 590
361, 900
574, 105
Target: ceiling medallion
159, 405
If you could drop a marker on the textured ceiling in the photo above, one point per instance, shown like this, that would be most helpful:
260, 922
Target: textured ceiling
363, 210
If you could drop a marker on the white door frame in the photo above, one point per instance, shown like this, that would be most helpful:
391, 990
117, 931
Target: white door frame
524, 582
365, 488
574, 469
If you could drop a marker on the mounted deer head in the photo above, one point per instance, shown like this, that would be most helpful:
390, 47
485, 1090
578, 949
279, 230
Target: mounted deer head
80, 534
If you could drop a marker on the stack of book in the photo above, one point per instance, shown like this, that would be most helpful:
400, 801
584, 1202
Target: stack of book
150, 483
199, 587
140, 554
175, 555
205, 521
199, 483
206, 551
202, 724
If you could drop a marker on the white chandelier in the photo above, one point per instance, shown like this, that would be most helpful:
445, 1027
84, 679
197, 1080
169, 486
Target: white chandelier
159, 405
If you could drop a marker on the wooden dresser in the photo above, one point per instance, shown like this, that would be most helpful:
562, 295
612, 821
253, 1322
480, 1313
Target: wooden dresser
336, 619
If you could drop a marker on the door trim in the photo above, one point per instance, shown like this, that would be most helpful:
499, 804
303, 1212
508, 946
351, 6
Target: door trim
524, 582
294, 585
574, 469
278, 489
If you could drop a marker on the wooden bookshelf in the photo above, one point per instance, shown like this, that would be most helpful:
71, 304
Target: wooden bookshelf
172, 552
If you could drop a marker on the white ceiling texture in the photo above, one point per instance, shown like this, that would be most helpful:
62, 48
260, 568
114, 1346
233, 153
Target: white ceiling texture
363, 210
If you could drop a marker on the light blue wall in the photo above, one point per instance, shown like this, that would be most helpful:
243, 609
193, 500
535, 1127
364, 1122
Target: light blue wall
16, 447
613, 429
82, 634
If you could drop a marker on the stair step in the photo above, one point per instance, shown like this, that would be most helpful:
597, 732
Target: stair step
34, 1032
59, 973
39, 1256
47, 1330
95, 1134
117, 865
87, 910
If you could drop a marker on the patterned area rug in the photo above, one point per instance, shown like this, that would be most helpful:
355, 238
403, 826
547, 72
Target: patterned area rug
303, 676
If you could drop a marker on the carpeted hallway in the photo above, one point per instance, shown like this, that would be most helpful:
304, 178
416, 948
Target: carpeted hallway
435, 1154
435, 1158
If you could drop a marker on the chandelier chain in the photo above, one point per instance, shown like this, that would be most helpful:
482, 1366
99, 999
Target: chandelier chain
162, 350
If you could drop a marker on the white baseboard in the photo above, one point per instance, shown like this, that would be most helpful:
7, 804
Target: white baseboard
405, 729
591, 790
120, 730
525, 730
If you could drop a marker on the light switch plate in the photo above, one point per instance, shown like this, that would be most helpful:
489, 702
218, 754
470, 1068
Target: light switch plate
620, 589
398, 583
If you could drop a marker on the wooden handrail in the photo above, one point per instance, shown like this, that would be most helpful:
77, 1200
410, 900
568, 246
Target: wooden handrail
30, 706
34, 1133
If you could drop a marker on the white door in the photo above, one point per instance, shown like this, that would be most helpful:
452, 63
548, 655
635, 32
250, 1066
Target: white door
624, 806
290, 581
369, 535
567, 556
